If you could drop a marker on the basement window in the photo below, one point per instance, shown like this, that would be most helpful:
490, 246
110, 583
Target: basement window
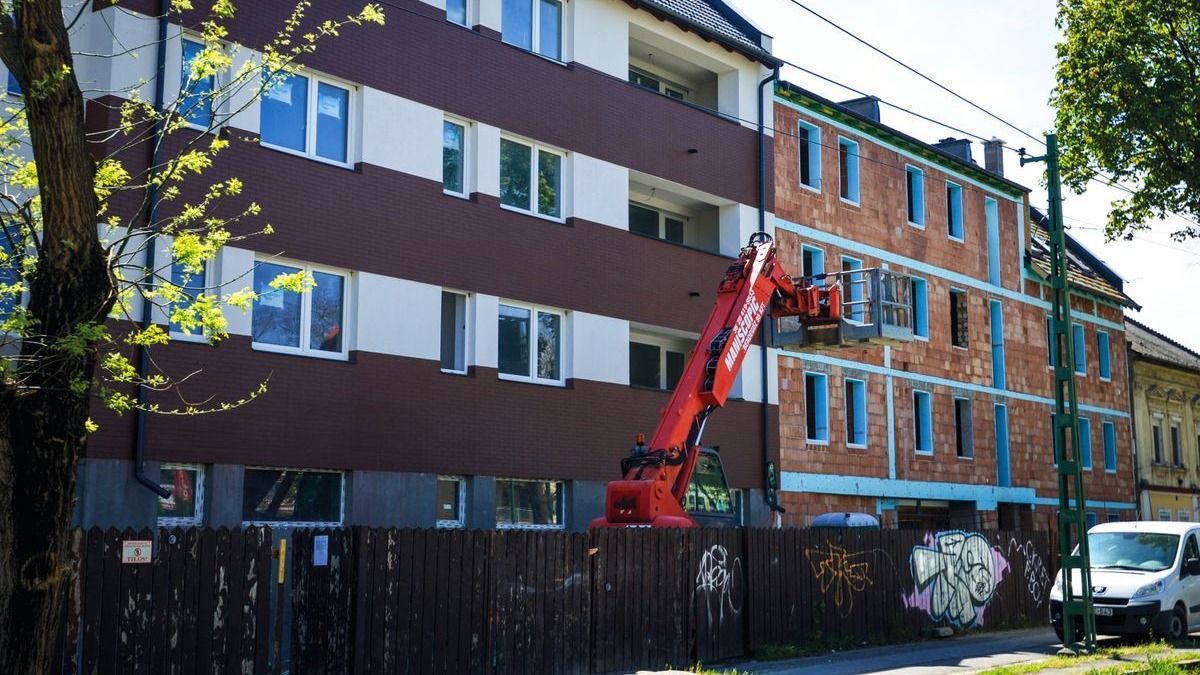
451, 501
816, 407
960, 329
964, 436
529, 504
185, 506
292, 497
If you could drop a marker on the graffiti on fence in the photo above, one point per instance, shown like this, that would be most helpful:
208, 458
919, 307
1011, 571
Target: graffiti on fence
836, 568
955, 576
1037, 575
719, 579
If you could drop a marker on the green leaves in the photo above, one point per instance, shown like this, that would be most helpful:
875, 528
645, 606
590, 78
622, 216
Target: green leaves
1128, 105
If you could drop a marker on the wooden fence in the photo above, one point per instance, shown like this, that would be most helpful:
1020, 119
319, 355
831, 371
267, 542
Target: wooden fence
401, 601
201, 606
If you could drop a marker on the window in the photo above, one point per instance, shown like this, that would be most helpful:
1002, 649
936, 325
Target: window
185, 506
1091, 519
856, 413
191, 284
1051, 352
522, 167
848, 165
954, 211
812, 263
1080, 349
707, 491
922, 423
650, 222
529, 504
1164, 514
1183, 516
854, 285
1003, 471
1158, 441
736, 496
1114, 517
451, 501
1176, 449
1103, 354
658, 85
964, 437
959, 328
534, 25
308, 115
920, 308
309, 322
454, 158
656, 366
11, 283
456, 11
530, 344
1085, 443
196, 95
991, 213
808, 139
997, 329
915, 182
816, 407
454, 332
14, 87
1109, 432
283, 497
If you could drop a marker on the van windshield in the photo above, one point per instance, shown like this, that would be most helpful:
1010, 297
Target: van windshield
1142, 551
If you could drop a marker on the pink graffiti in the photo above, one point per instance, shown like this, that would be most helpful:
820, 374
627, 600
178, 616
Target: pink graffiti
951, 582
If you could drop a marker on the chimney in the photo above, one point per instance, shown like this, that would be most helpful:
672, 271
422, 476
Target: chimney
867, 106
959, 147
993, 156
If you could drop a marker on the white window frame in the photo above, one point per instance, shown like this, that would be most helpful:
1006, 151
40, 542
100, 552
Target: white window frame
460, 522
535, 28
665, 84
535, 149
853, 157
919, 213
533, 339
219, 118
468, 300
962, 221
1156, 421
917, 423
306, 314
1167, 513
865, 415
468, 172
824, 377
562, 513
1177, 425
275, 524
1183, 516
310, 131
178, 335
196, 520
814, 156
664, 343
662, 222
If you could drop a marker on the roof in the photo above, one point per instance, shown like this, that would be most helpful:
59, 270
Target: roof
928, 151
712, 20
1085, 272
1148, 343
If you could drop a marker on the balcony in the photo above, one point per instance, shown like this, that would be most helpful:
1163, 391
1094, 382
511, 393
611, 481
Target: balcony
657, 212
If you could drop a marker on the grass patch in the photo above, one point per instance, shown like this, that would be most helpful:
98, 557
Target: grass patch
1157, 653
701, 669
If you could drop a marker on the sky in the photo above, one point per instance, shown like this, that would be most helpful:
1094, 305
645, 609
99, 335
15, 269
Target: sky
999, 55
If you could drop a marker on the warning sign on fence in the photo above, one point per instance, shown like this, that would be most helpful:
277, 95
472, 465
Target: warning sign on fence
136, 551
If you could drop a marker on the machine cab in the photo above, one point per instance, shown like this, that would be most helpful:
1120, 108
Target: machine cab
708, 499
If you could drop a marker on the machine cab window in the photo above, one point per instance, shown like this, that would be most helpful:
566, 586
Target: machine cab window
708, 499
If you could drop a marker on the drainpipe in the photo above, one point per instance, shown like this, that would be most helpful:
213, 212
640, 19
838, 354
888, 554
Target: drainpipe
1133, 453
143, 358
770, 472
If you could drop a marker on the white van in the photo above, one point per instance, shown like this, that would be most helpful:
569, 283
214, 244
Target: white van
1145, 579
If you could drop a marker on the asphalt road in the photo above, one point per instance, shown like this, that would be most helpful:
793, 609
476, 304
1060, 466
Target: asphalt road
931, 657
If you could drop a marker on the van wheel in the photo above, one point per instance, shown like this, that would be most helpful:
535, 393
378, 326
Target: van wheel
1177, 626
1058, 631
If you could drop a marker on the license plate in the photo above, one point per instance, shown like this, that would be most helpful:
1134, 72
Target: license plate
1103, 611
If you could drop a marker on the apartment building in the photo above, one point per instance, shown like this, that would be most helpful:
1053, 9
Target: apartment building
516, 213
1165, 379
951, 429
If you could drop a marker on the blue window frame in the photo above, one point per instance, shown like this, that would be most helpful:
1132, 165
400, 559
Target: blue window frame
1080, 349
856, 413
1110, 446
1104, 355
954, 211
808, 140
920, 308
307, 115
1085, 443
196, 103
848, 169
991, 211
1003, 472
855, 284
915, 182
997, 321
1051, 352
816, 407
922, 422
812, 263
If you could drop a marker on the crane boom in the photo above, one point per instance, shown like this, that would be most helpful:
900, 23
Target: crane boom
755, 286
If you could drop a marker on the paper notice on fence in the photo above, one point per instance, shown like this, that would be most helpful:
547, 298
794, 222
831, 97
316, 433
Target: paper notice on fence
136, 551
321, 550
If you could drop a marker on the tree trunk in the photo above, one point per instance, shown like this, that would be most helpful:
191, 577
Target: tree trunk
44, 424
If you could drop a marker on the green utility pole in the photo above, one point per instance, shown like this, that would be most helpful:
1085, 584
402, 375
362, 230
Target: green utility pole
1072, 511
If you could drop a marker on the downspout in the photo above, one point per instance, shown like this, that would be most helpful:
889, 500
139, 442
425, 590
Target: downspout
1133, 451
770, 471
143, 358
